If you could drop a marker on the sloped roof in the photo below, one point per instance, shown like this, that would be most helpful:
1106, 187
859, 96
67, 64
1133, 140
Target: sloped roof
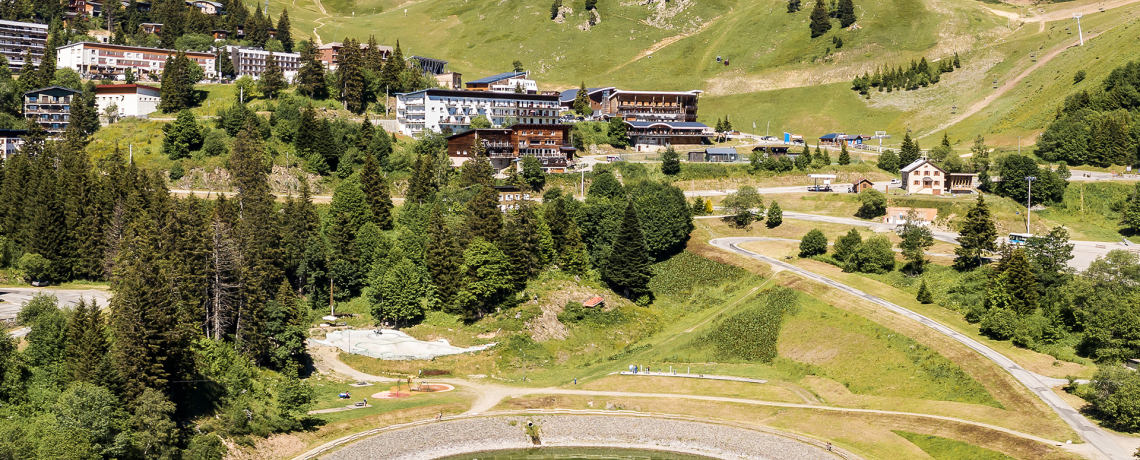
498, 77
50, 88
593, 302
831, 136
916, 164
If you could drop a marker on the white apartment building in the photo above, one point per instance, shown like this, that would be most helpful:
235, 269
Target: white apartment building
440, 109
252, 61
104, 60
528, 86
130, 100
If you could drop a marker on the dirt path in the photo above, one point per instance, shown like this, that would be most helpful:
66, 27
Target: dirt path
489, 395
316, 36
666, 42
1011, 84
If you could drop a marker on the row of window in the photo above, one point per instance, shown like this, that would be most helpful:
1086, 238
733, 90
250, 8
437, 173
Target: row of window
935, 182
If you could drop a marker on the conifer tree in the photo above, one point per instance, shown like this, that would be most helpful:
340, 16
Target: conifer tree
284, 31
558, 221
350, 77
272, 79
844, 157
256, 28
87, 343
484, 219
310, 78
909, 152
627, 269
177, 87
393, 68
822, 156
820, 19
173, 16
846, 13
141, 312
977, 234
794, 6
182, 136
775, 215
554, 9
1021, 284
924, 295
420, 185
670, 162
364, 137
574, 259
443, 257
376, 189
381, 148
582, 98
225, 65
373, 58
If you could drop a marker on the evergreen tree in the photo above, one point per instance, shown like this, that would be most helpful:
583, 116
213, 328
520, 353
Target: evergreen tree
87, 343
916, 239
591, 4
376, 189
977, 235
390, 74
141, 312
844, 157
310, 78
177, 86
795, 5
582, 98
574, 259
554, 8
350, 77
256, 29
627, 269
846, 13
532, 173
1021, 284
284, 31
670, 162
618, 132
365, 135
443, 257
1131, 214
924, 295
182, 136
820, 19
775, 215
225, 65
909, 153
373, 57
821, 156
272, 79
173, 17
403, 294
484, 219
605, 185
381, 148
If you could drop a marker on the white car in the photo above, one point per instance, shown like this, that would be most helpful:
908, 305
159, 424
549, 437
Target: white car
896, 182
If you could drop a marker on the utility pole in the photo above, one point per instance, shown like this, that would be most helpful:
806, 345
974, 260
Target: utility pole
768, 128
1029, 204
1080, 34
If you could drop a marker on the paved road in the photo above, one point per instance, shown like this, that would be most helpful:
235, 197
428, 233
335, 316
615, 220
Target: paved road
1091, 433
1092, 176
13, 298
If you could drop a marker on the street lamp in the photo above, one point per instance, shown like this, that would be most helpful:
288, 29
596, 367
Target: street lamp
1029, 204
1080, 34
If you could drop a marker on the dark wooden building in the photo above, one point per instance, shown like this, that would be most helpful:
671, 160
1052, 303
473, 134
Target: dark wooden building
550, 144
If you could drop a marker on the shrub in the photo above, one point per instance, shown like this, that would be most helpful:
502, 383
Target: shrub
813, 244
176, 171
1079, 76
1116, 394
847, 243
35, 266
924, 295
874, 204
871, 256
678, 275
775, 215
999, 324
573, 312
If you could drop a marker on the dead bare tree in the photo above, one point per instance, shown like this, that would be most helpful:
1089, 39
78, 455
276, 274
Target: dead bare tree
224, 282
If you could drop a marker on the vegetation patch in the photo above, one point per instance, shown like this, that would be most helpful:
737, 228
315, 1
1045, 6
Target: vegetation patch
948, 449
679, 275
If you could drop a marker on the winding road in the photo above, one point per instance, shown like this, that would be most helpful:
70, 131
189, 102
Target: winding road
1094, 435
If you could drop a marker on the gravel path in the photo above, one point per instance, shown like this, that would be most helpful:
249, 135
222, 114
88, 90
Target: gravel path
451, 437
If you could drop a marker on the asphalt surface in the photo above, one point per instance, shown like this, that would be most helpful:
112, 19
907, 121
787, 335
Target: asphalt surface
1098, 438
12, 299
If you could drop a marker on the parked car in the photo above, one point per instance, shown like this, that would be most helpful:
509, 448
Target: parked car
40, 283
896, 182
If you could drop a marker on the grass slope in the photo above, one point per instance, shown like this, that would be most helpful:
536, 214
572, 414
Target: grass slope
948, 449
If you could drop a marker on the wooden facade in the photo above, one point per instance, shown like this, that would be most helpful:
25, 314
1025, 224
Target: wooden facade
550, 144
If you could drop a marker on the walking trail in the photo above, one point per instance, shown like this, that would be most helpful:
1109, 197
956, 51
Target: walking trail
1104, 443
488, 395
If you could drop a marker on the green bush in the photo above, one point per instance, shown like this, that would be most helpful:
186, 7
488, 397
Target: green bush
35, 266
573, 312
813, 244
874, 204
999, 324
176, 171
872, 256
1116, 394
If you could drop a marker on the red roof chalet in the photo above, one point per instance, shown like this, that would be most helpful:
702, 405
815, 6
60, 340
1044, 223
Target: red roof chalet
596, 301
